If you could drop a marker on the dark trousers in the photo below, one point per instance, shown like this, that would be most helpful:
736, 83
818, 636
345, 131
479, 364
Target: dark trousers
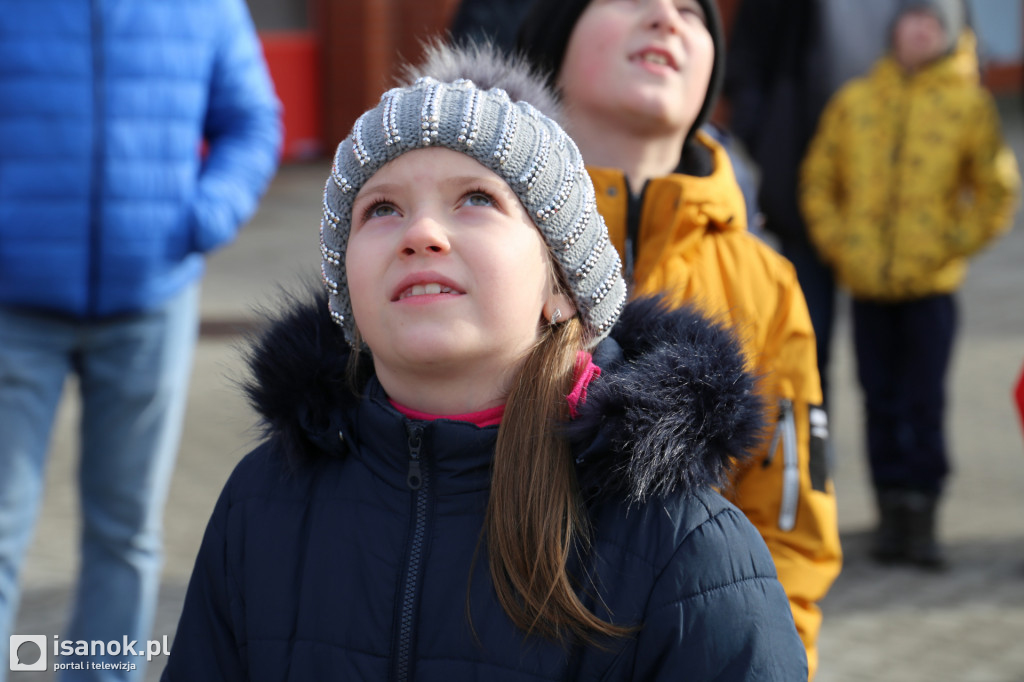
819, 287
903, 354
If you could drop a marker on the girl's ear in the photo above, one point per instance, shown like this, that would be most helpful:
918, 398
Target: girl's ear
560, 303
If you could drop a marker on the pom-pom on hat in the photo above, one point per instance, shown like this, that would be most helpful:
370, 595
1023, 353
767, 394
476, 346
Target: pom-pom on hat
479, 103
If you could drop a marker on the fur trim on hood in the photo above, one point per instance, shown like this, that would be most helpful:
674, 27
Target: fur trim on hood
678, 406
673, 409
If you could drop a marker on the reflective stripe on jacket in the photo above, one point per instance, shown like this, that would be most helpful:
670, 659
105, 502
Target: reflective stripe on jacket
907, 176
694, 245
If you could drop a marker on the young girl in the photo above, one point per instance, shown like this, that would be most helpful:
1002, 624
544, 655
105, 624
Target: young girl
468, 473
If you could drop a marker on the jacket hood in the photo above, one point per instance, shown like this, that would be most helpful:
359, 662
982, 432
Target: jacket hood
715, 198
960, 64
716, 192
673, 409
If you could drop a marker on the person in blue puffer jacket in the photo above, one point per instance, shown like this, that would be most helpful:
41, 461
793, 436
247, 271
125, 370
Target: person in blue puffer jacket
135, 137
479, 462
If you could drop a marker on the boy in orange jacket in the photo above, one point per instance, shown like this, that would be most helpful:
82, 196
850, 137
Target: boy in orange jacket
637, 80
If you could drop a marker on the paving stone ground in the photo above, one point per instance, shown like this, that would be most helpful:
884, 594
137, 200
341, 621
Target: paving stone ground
881, 624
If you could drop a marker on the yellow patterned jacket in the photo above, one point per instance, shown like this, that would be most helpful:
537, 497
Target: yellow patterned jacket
907, 176
694, 246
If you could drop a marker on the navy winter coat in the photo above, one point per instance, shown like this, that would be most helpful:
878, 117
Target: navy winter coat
106, 202
325, 559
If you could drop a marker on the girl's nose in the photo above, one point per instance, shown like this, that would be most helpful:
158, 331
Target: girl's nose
425, 234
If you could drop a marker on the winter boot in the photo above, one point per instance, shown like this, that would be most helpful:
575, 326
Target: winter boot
922, 546
891, 537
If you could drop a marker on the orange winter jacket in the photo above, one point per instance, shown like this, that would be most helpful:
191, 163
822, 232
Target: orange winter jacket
907, 176
694, 246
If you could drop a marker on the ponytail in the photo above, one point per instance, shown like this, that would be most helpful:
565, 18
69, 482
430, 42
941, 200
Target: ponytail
535, 517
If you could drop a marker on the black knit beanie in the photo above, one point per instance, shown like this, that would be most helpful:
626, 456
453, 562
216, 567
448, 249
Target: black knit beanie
544, 36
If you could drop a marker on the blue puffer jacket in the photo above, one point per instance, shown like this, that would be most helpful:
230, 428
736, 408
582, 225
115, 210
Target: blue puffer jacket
106, 203
322, 562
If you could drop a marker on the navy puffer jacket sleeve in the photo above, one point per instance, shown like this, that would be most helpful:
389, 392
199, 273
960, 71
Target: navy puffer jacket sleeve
705, 608
210, 643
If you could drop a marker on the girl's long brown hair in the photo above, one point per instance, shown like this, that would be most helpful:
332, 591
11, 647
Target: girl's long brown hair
535, 517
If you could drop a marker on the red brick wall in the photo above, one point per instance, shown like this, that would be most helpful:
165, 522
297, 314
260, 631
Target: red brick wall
362, 42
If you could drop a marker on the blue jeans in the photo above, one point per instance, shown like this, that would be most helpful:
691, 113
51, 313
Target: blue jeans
133, 374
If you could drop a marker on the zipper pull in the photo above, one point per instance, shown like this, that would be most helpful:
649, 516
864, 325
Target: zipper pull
414, 479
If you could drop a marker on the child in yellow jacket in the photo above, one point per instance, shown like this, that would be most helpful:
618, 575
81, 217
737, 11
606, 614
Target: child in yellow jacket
637, 80
907, 177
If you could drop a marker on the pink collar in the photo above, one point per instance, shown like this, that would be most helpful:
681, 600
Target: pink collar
586, 371
488, 417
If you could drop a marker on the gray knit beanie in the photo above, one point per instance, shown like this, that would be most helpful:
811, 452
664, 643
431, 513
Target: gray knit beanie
950, 13
481, 104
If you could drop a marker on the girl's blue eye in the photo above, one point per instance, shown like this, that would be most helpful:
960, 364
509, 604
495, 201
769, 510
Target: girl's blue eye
381, 211
479, 199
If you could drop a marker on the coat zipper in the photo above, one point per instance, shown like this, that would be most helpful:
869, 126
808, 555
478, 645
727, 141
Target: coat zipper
99, 144
897, 154
418, 480
634, 211
785, 431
